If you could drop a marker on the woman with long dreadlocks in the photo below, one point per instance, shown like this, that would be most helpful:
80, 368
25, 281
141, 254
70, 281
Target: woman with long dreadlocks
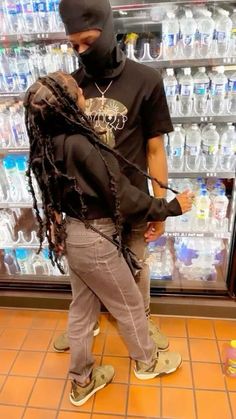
79, 176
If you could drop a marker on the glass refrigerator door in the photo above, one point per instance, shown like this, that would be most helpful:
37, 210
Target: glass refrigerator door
194, 46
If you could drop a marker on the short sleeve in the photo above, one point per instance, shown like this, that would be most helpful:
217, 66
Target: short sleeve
155, 112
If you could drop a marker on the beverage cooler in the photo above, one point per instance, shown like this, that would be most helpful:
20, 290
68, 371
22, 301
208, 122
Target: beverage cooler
193, 44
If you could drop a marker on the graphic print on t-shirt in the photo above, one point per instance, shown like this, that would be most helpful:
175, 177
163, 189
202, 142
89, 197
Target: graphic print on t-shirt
107, 116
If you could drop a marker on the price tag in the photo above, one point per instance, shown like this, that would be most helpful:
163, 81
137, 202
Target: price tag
211, 174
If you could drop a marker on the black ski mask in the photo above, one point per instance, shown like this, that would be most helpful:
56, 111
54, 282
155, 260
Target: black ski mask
104, 59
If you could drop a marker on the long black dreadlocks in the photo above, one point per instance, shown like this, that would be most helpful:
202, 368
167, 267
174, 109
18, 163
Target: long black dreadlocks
52, 109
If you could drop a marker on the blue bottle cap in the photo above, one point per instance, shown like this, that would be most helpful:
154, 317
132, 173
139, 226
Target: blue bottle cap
22, 254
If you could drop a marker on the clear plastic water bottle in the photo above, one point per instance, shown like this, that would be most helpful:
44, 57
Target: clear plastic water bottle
10, 262
233, 33
42, 15
24, 76
176, 149
23, 260
223, 28
12, 16
210, 148
39, 265
201, 87
226, 153
59, 23
188, 28
21, 164
186, 93
9, 71
170, 34
193, 148
4, 29
11, 173
5, 129
170, 84
219, 210
229, 356
218, 91
202, 210
29, 8
206, 26
232, 93
17, 128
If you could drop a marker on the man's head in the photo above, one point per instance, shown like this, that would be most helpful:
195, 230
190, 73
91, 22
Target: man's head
89, 26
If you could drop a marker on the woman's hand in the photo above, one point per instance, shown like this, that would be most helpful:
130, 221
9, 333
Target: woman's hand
186, 200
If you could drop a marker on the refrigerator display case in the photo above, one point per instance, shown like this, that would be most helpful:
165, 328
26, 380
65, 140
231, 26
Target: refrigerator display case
194, 46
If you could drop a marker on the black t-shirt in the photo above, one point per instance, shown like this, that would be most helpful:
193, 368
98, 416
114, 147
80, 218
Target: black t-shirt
134, 111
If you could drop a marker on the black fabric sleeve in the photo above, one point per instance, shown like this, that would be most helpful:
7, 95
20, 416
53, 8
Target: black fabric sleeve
155, 113
135, 205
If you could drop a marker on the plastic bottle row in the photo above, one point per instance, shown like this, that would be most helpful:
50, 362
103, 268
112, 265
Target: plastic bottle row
186, 33
23, 261
27, 16
194, 258
201, 93
21, 66
13, 181
207, 148
210, 211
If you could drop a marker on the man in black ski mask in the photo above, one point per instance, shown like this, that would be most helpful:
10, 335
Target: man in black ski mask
126, 100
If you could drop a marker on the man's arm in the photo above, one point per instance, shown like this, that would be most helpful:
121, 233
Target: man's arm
157, 165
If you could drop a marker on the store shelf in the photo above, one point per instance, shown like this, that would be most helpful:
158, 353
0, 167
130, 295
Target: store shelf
194, 62
32, 37
12, 150
5, 205
204, 174
221, 235
197, 119
25, 245
16, 95
134, 4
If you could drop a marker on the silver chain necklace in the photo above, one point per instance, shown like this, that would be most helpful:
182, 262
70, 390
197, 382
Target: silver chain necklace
103, 92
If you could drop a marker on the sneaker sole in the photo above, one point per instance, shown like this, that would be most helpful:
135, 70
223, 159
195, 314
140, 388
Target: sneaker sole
95, 333
163, 349
154, 375
81, 402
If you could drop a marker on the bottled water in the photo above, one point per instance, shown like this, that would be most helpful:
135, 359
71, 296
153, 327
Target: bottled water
206, 27
39, 265
10, 262
193, 148
202, 210
59, 23
170, 84
201, 86
12, 16
160, 260
233, 33
21, 164
8, 70
5, 130
210, 148
186, 92
12, 178
226, 153
17, 128
223, 28
218, 91
23, 260
54, 19
176, 149
188, 29
219, 210
29, 15
170, 30
3, 19
232, 93
42, 15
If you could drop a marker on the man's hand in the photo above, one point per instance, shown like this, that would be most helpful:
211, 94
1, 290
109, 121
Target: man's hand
154, 231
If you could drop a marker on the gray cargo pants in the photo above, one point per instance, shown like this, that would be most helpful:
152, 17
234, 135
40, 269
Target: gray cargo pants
98, 274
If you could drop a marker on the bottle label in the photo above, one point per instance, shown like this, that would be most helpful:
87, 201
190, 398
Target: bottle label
218, 89
232, 86
52, 6
186, 90
10, 81
41, 7
171, 39
219, 213
170, 91
202, 213
192, 150
200, 89
220, 37
188, 40
226, 150
28, 7
209, 150
23, 81
11, 9
205, 38
177, 152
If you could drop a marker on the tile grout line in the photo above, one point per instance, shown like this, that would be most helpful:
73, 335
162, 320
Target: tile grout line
128, 389
191, 369
222, 369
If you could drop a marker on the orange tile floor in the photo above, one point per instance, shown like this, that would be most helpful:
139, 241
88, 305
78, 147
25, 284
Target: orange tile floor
34, 380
